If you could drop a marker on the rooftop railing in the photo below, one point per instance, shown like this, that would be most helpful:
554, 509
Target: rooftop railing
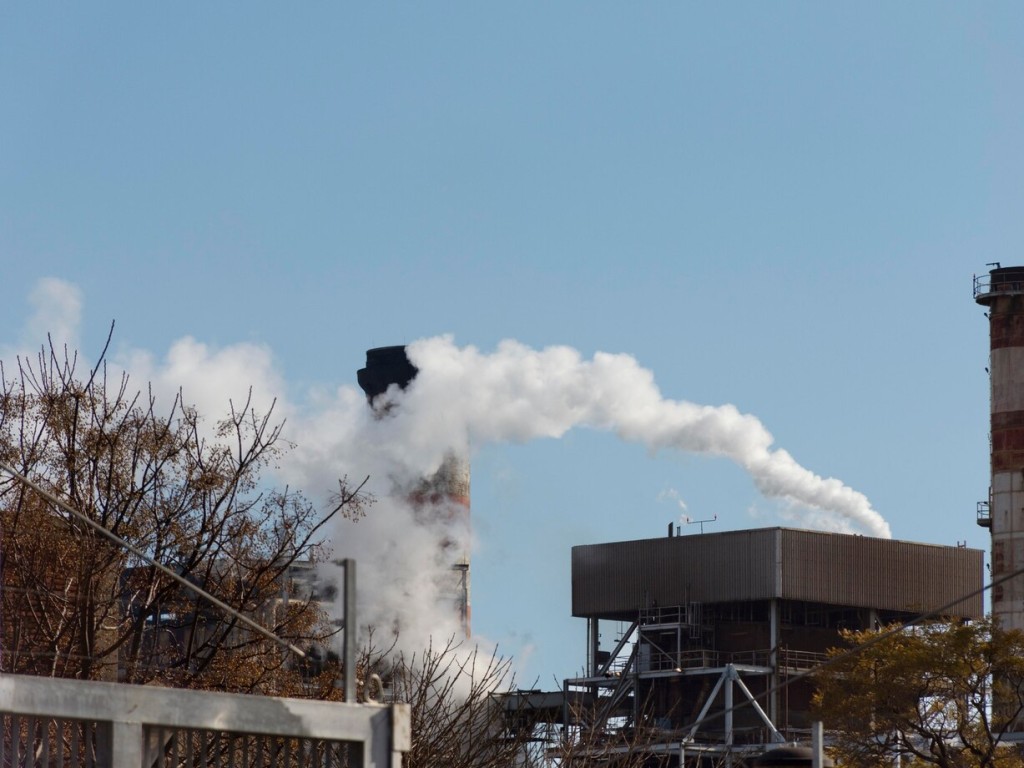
1003, 282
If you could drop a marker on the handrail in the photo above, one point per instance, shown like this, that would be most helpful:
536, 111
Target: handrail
1008, 282
800, 660
982, 284
123, 724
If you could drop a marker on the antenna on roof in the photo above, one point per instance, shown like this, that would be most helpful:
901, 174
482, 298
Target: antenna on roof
701, 522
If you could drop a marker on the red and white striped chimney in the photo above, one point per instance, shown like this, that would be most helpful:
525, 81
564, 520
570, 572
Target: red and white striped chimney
1002, 292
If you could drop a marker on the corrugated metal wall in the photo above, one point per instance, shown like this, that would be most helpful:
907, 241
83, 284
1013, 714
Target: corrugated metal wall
623, 577
618, 579
879, 573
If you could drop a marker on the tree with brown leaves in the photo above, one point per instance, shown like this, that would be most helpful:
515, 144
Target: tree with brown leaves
77, 605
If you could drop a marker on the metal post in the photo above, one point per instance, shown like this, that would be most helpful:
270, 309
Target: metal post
351, 627
773, 662
730, 676
593, 644
817, 744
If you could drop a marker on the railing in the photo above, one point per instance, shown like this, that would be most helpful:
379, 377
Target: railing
800, 660
982, 284
50, 722
688, 615
984, 514
695, 659
760, 658
662, 661
1007, 281
617, 666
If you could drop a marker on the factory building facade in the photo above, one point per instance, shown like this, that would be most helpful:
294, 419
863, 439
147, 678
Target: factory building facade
700, 645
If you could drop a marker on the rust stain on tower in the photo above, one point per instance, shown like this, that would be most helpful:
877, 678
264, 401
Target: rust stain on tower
446, 492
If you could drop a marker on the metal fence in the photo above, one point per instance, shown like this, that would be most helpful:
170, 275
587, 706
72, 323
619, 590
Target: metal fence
56, 723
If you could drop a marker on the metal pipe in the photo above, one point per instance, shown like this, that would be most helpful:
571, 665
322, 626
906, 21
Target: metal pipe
351, 628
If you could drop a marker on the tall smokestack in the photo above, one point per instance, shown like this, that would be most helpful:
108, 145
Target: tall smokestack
446, 492
1002, 291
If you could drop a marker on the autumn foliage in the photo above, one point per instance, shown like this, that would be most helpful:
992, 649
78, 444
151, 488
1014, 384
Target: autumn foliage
944, 695
188, 493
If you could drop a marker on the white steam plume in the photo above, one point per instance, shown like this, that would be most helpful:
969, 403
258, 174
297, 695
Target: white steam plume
463, 398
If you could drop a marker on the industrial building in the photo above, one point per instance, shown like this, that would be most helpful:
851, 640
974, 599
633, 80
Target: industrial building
701, 643
699, 647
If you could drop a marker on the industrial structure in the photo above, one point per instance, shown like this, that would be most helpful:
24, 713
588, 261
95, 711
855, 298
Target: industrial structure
697, 646
1002, 292
446, 492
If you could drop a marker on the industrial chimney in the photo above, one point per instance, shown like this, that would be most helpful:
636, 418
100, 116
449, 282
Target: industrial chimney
446, 492
1002, 291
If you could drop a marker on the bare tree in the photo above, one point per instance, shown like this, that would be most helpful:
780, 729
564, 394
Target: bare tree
76, 605
454, 697
467, 712
592, 739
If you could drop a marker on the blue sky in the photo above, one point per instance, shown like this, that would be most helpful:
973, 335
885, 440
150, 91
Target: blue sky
778, 206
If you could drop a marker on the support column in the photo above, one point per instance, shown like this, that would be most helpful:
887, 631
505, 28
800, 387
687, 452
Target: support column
773, 662
593, 645
730, 675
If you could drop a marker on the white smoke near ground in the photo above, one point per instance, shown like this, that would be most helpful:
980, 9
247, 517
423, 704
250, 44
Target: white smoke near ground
403, 552
461, 400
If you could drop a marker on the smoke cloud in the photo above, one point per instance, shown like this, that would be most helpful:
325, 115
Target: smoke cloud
461, 400
209, 379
